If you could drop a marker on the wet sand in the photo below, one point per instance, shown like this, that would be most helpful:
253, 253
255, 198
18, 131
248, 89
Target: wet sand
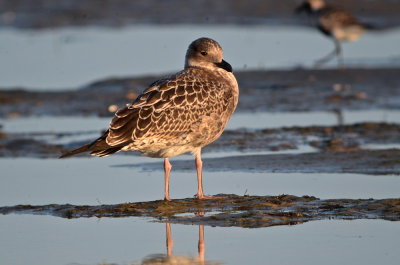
272, 91
50, 14
346, 141
230, 210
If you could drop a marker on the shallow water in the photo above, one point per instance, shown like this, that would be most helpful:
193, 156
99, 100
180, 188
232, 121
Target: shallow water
28, 239
261, 120
72, 57
119, 179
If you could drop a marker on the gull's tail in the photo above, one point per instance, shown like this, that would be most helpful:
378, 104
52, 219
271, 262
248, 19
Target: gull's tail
98, 147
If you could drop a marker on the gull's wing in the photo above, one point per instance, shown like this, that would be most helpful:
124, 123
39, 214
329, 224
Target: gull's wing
170, 108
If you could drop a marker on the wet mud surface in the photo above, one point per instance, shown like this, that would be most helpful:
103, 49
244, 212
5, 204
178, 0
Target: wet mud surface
230, 210
272, 91
50, 14
335, 149
324, 138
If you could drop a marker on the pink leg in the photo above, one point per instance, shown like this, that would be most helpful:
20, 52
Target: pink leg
200, 194
199, 166
167, 170
169, 240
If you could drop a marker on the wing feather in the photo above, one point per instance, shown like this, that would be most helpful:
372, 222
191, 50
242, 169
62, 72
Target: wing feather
170, 108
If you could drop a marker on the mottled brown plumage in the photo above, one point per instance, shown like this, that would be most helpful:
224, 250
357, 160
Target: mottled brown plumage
335, 22
178, 114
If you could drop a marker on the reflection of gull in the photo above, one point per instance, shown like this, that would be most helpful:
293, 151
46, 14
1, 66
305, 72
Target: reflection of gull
178, 259
175, 115
334, 22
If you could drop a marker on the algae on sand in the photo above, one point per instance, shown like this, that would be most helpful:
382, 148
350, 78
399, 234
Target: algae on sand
230, 210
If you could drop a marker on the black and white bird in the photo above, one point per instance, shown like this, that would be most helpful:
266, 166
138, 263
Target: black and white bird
175, 115
333, 22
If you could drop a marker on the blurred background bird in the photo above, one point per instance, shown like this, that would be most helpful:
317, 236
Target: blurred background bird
334, 22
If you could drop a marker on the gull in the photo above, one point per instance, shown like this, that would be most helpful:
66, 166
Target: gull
175, 115
333, 22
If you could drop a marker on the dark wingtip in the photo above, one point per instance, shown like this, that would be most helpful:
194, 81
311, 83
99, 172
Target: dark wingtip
65, 155
79, 150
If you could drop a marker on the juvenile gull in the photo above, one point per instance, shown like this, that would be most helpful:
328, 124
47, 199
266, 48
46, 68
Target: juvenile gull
334, 22
175, 115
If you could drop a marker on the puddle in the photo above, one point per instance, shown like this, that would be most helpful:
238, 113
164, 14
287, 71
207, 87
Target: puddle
380, 146
202, 214
303, 149
69, 57
47, 240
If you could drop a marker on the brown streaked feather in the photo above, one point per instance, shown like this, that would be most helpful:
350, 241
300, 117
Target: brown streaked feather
162, 111
122, 112
153, 97
120, 121
145, 112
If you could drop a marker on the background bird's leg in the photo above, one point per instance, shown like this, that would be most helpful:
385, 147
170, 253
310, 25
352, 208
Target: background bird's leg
339, 54
169, 240
329, 56
167, 170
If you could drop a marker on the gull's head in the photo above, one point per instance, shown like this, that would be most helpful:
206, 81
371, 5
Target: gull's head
206, 53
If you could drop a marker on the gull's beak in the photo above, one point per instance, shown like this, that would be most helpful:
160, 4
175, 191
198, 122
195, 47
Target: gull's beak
224, 65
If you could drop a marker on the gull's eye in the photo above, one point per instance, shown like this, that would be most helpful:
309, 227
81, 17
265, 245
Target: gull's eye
203, 53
